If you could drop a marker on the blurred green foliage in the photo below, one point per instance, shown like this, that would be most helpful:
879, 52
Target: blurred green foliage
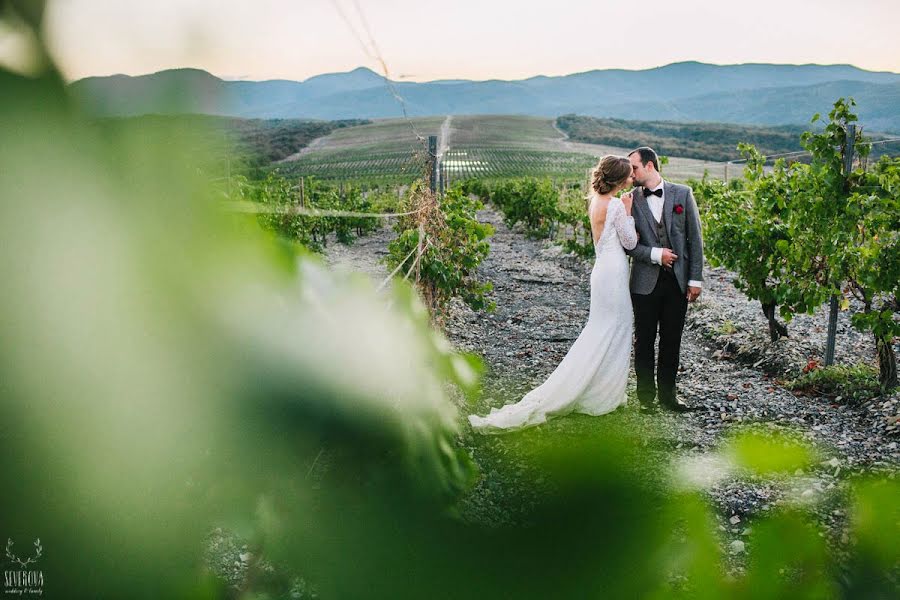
168, 368
765, 455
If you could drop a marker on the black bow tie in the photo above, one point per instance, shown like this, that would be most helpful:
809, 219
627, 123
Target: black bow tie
649, 192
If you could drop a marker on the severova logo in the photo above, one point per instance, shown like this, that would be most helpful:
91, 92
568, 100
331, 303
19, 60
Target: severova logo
22, 578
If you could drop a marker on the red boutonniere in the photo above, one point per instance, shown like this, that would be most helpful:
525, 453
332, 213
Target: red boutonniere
678, 209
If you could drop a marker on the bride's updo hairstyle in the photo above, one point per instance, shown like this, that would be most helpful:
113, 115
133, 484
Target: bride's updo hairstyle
610, 173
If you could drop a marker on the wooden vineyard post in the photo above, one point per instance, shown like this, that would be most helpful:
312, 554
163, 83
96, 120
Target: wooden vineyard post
302, 193
833, 308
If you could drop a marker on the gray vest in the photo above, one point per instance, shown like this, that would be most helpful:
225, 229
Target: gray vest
663, 232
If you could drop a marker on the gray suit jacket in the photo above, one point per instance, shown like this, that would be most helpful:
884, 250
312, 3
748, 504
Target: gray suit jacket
684, 235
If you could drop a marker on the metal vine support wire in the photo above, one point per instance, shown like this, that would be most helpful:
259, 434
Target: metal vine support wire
371, 50
876, 142
802, 152
258, 208
397, 270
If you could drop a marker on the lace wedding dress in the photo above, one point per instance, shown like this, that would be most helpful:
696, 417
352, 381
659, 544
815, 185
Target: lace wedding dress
591, 378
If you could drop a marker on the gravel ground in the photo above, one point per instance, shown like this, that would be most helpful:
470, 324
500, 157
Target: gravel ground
542, 298
364, 254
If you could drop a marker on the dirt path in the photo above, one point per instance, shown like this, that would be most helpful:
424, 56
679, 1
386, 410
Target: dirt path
311, 147
365, 254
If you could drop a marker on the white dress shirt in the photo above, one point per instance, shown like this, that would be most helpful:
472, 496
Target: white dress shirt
656, 204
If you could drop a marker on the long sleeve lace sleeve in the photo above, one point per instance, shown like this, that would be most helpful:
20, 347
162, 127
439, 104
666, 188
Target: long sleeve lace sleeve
624, 225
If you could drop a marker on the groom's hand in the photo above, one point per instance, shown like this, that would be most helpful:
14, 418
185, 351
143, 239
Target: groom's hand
668, 257
692, 293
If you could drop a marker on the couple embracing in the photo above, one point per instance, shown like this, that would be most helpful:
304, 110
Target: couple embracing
657, 224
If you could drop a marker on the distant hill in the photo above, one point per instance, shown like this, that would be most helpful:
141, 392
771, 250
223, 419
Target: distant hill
760, 94
878, 105
193, 91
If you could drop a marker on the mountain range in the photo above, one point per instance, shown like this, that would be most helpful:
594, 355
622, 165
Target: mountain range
752, 94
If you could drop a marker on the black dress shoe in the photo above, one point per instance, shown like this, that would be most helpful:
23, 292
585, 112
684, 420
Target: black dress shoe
648, 408
678, 406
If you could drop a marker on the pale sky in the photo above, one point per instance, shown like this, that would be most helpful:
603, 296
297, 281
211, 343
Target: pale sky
463, 39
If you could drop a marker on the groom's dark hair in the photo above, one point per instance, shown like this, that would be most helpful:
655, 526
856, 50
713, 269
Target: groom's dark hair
647, 154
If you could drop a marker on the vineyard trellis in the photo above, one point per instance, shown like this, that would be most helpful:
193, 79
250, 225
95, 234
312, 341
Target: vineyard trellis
803, 233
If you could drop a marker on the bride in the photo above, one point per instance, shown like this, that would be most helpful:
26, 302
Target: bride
591, 378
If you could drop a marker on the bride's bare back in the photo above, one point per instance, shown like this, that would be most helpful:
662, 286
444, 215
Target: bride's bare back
597, 210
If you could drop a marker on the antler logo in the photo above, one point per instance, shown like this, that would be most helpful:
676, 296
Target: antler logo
28, 561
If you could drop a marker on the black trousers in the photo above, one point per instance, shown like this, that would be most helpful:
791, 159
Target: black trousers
662, 310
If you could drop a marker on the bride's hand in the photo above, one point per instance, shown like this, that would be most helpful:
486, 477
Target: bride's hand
626, 200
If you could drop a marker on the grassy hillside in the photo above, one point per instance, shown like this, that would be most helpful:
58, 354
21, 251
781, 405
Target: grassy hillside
395, 135
535, 133
876, 105
704, 141
707, 141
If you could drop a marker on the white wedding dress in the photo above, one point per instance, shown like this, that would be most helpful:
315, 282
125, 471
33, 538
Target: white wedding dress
591, 378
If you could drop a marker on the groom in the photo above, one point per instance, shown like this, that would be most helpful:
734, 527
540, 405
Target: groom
666, 274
